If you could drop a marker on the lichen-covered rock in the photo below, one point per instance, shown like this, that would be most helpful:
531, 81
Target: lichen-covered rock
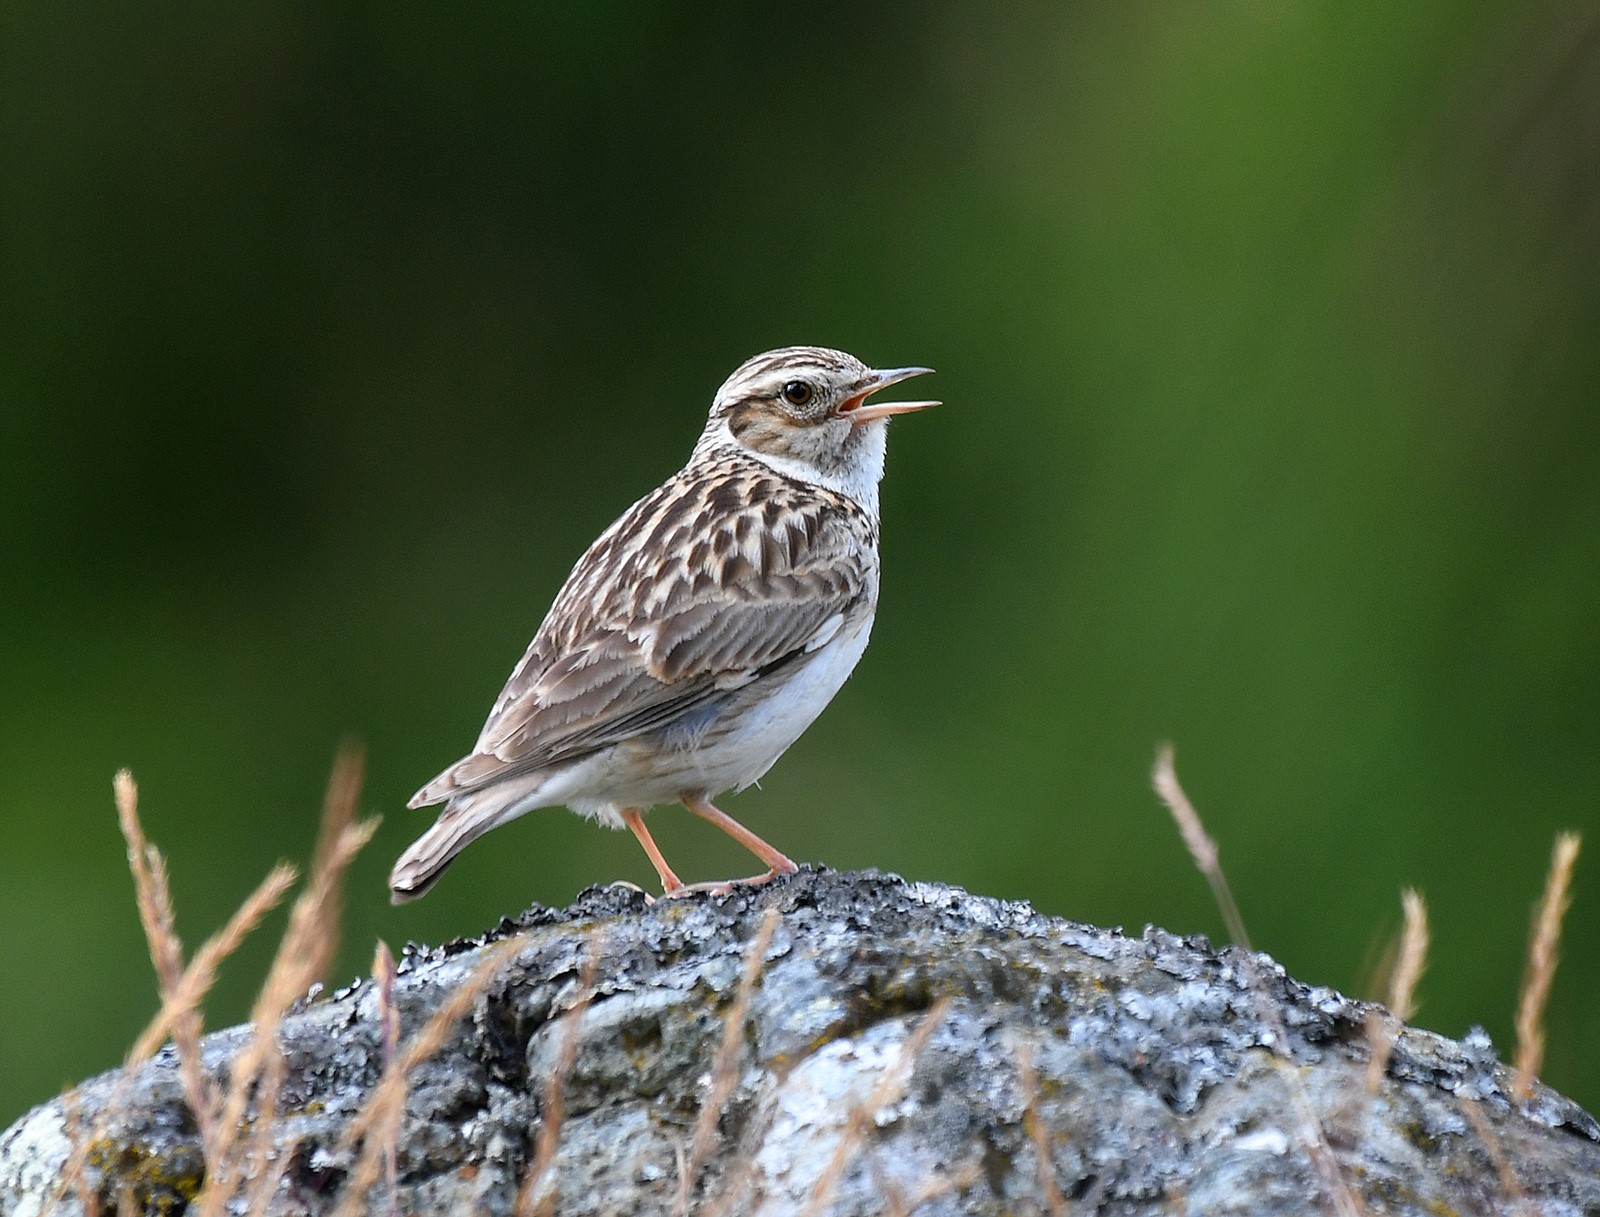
878, 1068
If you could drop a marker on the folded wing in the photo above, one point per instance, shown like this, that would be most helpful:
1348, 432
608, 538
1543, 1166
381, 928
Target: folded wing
681, 600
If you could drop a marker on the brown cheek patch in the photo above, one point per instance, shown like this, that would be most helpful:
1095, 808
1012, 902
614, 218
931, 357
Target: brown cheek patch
763, 428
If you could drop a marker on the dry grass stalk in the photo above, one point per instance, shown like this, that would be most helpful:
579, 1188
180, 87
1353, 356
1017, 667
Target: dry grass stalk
340, 803
270, 1165
727, 1199
201, 973
1409, 964
1542, 959
383, 977
149, 884
1313, 1137
1055, 1204
182, 988
1203, 849
78, 1180
896, 1076
898, 1204
1413, 955
531, 1202
377, 1125
384, 972
153, 894
302, 957
1509, 1182
725, 1070
258, 1070
941, 1185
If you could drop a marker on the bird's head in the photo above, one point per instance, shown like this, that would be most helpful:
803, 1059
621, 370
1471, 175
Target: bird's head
805, 411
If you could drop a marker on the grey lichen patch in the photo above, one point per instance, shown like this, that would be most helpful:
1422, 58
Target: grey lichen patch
910, 1139
1168, 1076
642, 1044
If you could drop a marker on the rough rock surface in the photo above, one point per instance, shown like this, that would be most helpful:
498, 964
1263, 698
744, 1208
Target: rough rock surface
1168, 1077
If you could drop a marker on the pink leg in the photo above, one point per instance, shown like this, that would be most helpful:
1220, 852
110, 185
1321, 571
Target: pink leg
670, 882
701, 806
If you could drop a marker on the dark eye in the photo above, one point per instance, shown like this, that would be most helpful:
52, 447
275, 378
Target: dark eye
797, 392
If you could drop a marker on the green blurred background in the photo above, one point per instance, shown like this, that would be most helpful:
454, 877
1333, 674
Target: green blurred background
333, 332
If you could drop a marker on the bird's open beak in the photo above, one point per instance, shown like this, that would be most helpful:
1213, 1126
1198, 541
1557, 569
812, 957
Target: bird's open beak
855, 408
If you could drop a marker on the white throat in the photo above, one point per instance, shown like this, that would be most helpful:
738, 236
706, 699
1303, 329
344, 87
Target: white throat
855, 479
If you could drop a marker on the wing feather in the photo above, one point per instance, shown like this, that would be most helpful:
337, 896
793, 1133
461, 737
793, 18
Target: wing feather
695, 590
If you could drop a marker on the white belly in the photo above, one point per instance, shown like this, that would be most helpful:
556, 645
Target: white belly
731, 755
769, 728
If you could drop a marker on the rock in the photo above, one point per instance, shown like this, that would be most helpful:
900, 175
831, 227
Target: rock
876, 1070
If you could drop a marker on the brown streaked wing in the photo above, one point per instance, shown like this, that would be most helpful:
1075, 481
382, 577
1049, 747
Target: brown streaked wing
633, 642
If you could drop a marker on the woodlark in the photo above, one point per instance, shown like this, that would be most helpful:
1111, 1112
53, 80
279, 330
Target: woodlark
705, 629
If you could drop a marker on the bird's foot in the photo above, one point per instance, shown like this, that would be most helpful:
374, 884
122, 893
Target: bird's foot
721, 887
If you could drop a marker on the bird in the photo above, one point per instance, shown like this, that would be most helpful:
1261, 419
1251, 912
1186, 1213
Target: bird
702, 632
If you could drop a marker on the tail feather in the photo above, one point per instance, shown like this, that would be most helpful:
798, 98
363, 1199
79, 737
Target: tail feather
421, 865
466, 817
436, 791
471, 773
